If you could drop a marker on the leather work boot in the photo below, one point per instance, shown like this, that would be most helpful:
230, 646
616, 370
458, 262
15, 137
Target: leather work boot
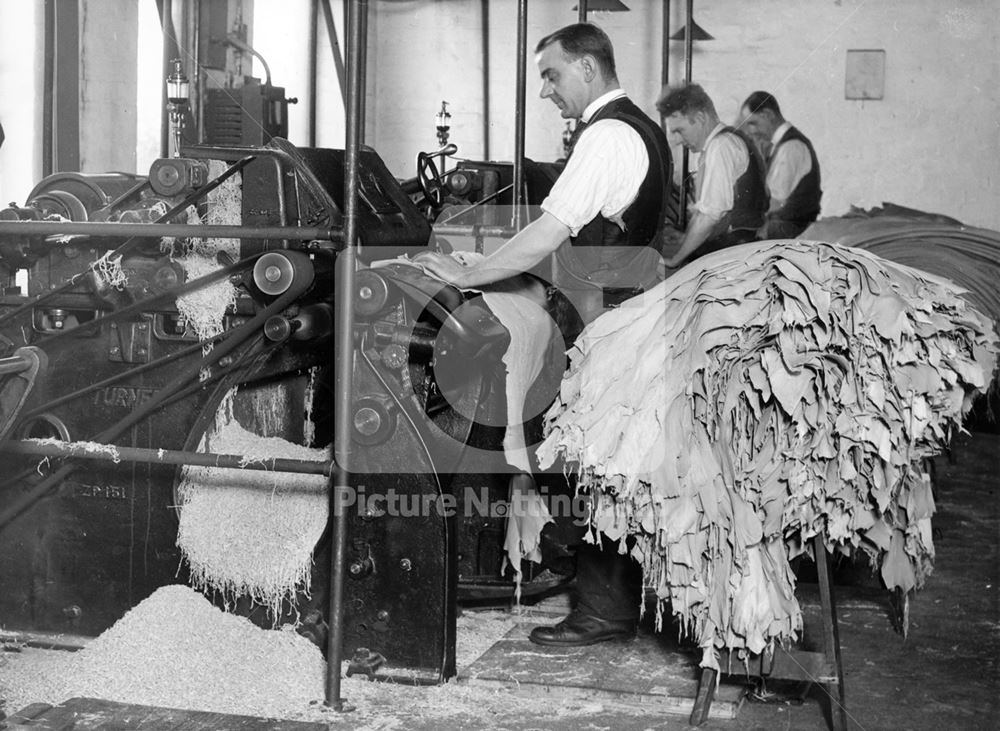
580, 629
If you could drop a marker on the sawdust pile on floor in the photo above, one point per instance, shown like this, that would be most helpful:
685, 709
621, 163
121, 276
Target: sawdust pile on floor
176, 649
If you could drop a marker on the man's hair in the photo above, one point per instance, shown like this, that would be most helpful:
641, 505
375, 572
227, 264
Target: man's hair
584, 39
760, 101
685, 99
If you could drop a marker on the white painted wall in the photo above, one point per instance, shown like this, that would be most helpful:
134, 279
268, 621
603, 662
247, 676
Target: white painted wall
20, 106
281, 36
933, 142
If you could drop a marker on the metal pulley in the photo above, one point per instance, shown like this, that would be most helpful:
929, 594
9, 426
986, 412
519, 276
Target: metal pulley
312, 323
275, 271
371, 293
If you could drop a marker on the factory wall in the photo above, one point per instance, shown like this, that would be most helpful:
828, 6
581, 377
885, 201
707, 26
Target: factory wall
20, 106
932, 142
107, 90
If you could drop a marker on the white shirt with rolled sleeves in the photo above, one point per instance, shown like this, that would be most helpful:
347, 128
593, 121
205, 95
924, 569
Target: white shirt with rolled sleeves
788, 165
722, 162
604, 173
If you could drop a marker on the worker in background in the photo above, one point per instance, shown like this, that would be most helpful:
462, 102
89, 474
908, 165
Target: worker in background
612, 191
731, 199
793, 180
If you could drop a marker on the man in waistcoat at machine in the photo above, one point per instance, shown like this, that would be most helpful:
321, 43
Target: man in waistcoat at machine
731, 199
610, 198
793, 178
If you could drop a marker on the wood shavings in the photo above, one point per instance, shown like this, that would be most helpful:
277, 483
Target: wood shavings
177, 650
88, 447
308, 425
251, 533
108, 272
761, 396
205, 307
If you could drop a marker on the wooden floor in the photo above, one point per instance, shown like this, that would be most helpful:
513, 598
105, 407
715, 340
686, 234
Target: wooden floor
650, 672
92, 714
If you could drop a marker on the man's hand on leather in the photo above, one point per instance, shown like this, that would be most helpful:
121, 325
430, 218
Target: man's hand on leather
440, 265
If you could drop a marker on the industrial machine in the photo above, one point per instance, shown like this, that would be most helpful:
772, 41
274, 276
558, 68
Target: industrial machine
108, 386
96, 350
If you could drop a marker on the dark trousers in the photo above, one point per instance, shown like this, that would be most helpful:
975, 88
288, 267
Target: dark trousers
608, 584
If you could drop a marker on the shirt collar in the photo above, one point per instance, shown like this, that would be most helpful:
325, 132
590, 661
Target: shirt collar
780, 132
718, 128
599, 102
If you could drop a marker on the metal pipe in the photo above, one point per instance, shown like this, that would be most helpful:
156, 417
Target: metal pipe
313, 67
363, 75
582, 11
485, 27
340, 479
685, 155
522, 44
665, 62
458, 229
154, 230
48, 81
169, 53
688, 40
338, 59
68, 64
113, 453
14, 364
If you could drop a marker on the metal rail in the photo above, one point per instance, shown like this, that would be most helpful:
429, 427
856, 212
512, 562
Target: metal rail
14, 364
155, 230
113, 453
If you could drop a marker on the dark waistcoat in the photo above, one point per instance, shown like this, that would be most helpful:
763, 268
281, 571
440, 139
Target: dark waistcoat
802, 205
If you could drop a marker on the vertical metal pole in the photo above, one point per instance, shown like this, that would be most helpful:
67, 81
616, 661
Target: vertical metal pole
485, 10
665, 57
313, 68
688, 40
582, 11
171, 50
340, 484
67, 87
685, 156
48, 81
665, 62
362, 67
522, 51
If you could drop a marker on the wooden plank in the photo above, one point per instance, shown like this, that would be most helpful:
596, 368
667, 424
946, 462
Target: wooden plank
93, 714
648, 674
45, 640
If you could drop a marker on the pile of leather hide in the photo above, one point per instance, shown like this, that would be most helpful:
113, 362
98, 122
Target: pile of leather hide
760, 396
